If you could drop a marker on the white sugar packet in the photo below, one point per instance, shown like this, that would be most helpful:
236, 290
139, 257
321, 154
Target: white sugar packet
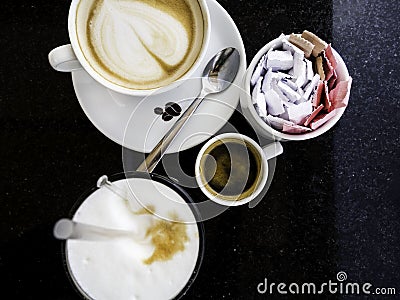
286, 45
299, 70
271, 77
288, 92
279, 60
262, 105
309, 91
274, 103
299, 113
256, 90
310, 70
259, 71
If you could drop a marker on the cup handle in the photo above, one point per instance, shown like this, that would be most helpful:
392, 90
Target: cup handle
273, 150
63, 59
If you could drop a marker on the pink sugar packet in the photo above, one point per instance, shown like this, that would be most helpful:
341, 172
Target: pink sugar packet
318, 94
338, 95
328, 68
313, 115
321, 119
332, 80
295, 129
325, 96
330, 56
336, 99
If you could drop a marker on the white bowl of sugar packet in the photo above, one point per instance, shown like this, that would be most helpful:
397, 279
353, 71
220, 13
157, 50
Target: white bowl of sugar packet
297, 87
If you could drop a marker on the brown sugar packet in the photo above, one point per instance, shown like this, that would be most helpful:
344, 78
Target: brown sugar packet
319, 44
301, 43
319, 67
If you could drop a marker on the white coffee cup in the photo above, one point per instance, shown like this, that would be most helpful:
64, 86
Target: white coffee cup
266, 153
263, 128
71, 57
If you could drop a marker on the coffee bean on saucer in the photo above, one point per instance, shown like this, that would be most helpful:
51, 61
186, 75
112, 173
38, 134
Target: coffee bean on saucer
166, 117
177, 107
173, 109
158, 111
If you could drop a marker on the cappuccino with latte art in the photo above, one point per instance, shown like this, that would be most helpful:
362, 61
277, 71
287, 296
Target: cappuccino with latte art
140, 44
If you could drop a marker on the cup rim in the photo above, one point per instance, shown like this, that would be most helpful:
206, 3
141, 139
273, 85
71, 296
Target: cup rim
163, 180
73, 37
264, 170
246, 96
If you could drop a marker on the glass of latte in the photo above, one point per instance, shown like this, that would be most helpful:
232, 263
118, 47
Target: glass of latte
135, 47
160, 261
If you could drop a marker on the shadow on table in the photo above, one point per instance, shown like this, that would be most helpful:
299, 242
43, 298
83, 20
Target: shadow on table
32, 267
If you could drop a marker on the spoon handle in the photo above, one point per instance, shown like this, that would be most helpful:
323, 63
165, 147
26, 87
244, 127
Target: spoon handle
66, 229
154, 157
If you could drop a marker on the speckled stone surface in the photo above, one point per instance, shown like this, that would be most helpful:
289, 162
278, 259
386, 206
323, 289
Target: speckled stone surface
367, 141
333, 204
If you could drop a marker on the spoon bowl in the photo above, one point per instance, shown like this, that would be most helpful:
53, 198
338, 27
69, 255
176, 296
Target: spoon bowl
221, 71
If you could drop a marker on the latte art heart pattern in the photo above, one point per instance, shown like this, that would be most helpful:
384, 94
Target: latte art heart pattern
142, 44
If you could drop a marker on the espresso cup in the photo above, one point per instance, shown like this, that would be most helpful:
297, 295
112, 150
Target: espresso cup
135, 47
232, 169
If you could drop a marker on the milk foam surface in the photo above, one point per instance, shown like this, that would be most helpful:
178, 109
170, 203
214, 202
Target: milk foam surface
115, 269
140, 44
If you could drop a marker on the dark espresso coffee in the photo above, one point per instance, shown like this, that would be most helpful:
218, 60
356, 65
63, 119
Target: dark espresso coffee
230, 169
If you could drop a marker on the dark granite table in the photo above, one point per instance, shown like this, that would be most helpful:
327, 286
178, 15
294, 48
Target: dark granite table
334, 202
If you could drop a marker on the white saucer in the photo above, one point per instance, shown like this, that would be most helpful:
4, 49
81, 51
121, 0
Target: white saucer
114, 114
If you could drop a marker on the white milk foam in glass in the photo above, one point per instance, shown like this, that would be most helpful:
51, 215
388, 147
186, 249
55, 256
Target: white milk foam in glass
117, 268
140, 44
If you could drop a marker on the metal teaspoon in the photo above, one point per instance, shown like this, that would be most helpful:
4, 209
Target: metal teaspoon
218, 75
